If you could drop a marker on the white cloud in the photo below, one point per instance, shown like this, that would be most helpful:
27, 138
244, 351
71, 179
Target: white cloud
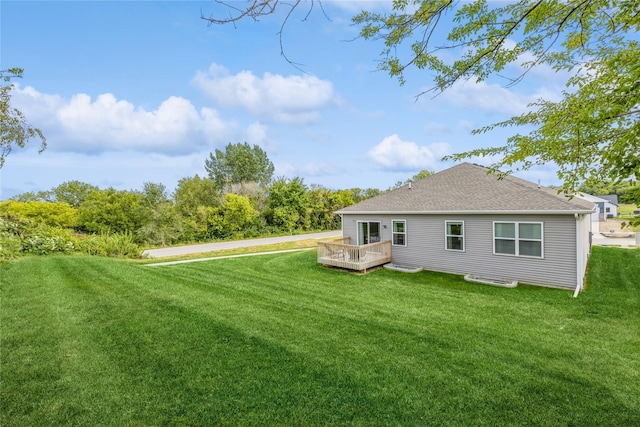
86, 125
292, 99
256, 133
392, 153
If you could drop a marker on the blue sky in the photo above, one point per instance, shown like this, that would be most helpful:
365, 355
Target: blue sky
131, 92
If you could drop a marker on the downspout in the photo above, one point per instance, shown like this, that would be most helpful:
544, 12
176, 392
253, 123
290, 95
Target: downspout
578, 256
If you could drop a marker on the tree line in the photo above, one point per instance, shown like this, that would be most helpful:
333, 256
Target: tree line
238, 199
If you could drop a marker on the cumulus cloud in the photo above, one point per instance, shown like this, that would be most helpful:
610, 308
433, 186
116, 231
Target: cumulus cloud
393, 153
292, 99
86, 125
256, 133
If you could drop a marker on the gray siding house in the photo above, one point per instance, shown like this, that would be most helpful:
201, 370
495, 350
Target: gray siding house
464, 220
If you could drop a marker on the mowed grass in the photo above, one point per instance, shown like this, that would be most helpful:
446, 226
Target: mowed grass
280, 340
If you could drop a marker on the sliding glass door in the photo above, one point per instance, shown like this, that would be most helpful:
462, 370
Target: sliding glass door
368, 232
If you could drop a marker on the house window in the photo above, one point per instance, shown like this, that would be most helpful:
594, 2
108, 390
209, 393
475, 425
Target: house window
454, 235
518, 239
399, 232
368, 232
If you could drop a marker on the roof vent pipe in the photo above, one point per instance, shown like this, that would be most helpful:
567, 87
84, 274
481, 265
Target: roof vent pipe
409, 185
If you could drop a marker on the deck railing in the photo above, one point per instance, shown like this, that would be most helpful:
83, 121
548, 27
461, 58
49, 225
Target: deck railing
339, 253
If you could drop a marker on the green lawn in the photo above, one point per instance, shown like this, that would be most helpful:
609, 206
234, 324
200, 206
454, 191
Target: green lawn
280, 340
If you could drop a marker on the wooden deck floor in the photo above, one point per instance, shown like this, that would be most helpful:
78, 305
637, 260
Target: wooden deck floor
353, 257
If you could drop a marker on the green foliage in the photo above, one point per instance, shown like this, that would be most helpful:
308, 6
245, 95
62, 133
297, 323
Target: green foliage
11, 231
237, 215
162, 225
14, 128
359, 194
47, 240
592, 133
192, 193
626, 190
72, 192
20, 237
239, 163
56, 214
323, 202
420, 175
201, 225
118, 245
111, 211
288, 204
29, 196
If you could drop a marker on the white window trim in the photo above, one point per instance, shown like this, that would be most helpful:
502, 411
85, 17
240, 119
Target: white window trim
446, 235
393, 232
517, 238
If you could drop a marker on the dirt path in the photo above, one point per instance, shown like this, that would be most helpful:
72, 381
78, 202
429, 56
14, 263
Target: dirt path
613, 224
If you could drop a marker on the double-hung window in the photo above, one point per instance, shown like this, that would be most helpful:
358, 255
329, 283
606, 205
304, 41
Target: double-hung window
518, 239
399, 232
454, 235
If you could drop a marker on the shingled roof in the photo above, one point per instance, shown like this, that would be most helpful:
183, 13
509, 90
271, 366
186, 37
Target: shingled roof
469, 188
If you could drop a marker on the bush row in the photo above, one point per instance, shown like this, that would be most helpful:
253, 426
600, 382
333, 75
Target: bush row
24, 237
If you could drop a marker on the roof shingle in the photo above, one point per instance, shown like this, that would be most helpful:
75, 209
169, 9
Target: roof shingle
469, 188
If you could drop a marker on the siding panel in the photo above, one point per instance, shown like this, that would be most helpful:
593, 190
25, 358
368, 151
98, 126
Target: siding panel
426, 247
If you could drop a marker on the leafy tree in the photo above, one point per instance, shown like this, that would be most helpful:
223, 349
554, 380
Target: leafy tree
162, 223
288, 204
193, 192
29, 196
196, 200
237, 214
154, 194
72, 192
420, 175
323, 203
111, 211
626, 190
14, 128
239, 163
591, 134
359, 194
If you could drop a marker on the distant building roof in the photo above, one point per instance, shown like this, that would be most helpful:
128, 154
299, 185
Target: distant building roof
611, 198
469, 188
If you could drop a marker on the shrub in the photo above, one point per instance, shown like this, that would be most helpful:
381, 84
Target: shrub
20, 237
55, 214
120, 245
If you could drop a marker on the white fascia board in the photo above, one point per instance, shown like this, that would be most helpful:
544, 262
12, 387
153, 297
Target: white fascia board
545, 212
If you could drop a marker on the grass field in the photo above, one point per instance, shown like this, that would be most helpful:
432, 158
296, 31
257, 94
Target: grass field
280, 340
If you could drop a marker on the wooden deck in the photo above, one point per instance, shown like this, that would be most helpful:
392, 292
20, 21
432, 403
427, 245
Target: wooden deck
339, 253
